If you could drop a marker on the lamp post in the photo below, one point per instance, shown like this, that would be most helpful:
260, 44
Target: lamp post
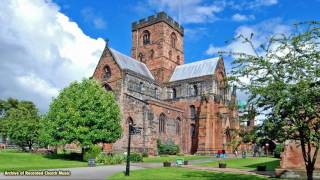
128, 151
131, 131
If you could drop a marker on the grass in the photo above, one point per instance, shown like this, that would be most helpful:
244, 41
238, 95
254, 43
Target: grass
172, 158
13, 160
180, 173
248, 163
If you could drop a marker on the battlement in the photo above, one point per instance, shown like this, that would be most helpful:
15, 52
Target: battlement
159, 17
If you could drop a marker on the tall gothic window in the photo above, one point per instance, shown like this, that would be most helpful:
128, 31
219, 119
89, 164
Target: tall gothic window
129, 120
151, 53
193, 112
174, 93
140, 57
178, 126
178, 59
195, 90
162, 123
193, 130
107, 72
146, 37
107, 87
141, 88
173, 40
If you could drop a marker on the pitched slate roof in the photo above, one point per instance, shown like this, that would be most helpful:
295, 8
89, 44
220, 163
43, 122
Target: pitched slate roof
195, 69
126, 62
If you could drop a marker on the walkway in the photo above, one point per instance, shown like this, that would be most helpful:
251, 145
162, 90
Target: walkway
232, 170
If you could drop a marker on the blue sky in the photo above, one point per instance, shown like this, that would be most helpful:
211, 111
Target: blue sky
46, 44
212, 27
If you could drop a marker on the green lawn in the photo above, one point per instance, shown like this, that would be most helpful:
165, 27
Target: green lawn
248, 163
11, 160
172, 158
181, 173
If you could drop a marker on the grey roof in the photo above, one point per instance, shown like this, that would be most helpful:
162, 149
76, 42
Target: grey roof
126, 62
195, 69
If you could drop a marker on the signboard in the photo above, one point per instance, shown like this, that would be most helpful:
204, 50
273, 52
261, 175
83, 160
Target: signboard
135, 130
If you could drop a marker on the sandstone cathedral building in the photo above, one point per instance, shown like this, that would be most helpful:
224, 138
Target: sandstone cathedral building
190, 105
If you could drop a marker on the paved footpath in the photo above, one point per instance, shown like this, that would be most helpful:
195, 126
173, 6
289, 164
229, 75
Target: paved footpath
103, 172
232, 170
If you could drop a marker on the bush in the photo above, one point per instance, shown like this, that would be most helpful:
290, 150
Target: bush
92, 152
110, 159
170, 148
145, 154
136, 157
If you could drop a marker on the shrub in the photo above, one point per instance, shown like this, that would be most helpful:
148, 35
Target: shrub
92, 152
145, 154
136, 157
170, 148
110, 159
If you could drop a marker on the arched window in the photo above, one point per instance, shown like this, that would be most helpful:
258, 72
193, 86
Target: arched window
195, 90
178, 59
141, 89
193, 112
107, 72
178, 126
129, 120
107, 87
173, 40
170, 54
146, 37
151, 53
140, 57
162, 123
174, 93
155, 92
193, 130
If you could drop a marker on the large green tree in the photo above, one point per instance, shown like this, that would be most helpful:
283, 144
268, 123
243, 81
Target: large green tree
5, 106
283, 79
20, 122
83, 113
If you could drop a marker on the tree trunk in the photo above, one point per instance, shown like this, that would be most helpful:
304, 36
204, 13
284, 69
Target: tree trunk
310, 172
30, 147
82, 152
307, 157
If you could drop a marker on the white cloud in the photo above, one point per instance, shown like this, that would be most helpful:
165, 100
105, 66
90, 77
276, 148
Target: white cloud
241, 17
261, 32
42, 51
201, 11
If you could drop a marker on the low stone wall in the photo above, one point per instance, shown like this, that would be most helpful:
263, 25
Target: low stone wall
295, 174
292, 163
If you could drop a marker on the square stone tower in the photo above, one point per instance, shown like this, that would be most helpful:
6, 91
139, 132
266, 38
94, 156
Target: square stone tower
158, 42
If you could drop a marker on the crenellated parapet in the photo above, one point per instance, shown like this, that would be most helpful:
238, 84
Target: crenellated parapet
159, 17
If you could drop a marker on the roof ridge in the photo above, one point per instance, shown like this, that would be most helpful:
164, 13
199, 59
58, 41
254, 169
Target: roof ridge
136, 61
199, 61
127, 62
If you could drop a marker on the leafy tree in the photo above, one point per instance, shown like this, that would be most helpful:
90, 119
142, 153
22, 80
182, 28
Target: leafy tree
283, 78
83, 113
6, 105
21, 122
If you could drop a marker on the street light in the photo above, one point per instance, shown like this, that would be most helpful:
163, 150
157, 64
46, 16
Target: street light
131, 131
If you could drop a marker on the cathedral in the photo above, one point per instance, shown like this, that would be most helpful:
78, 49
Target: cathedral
190, 105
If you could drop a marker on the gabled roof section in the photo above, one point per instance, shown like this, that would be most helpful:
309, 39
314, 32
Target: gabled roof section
126, 62
195, 69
